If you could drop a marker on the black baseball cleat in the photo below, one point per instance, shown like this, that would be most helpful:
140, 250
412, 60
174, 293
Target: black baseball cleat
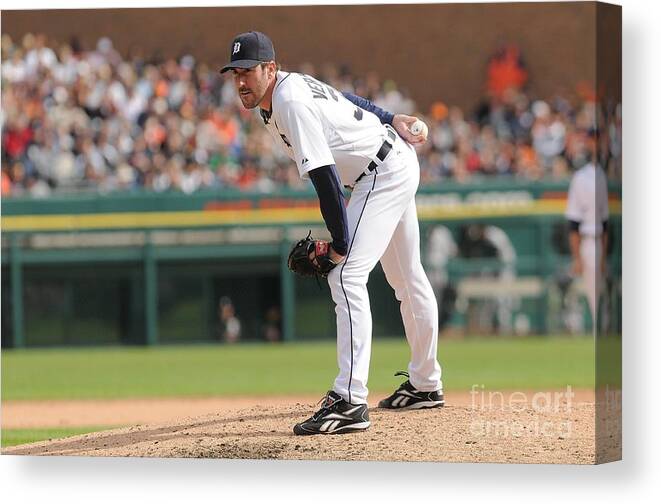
336, 416
407, 397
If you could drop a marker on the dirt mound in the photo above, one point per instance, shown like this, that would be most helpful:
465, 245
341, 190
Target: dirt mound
462, 432
36, 414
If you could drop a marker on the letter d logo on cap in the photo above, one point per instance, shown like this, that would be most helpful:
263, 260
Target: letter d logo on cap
237, 46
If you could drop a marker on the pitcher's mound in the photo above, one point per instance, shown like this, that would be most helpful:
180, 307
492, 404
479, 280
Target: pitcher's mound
455, 433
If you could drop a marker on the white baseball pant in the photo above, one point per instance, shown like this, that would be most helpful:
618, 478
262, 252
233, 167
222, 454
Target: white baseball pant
383, 225
590, 251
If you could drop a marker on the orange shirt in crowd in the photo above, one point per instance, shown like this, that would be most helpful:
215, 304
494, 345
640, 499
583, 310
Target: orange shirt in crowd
6, 184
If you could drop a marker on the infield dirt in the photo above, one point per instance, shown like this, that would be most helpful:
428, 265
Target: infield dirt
545, 427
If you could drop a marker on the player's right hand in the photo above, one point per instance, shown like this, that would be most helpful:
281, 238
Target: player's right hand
401, 123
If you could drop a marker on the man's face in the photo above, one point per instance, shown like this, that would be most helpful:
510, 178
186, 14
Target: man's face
252, 83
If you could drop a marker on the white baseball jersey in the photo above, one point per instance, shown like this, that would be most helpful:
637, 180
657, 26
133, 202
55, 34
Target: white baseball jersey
317, 126
588, 204
588, 200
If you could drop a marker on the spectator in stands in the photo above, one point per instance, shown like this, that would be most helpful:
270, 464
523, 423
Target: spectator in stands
76, 120
506, 71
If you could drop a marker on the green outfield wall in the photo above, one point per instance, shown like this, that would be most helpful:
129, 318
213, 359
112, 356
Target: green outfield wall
147, 268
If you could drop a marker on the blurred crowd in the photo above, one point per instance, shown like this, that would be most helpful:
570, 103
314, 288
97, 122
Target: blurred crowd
91, 120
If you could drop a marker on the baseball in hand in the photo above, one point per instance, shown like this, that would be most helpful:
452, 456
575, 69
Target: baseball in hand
418, 128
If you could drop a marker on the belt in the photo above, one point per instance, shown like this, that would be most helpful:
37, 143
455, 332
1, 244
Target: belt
384, 150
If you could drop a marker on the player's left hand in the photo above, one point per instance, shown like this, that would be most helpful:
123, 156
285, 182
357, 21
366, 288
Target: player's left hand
402, 123
335, 257
320, 254
310, 257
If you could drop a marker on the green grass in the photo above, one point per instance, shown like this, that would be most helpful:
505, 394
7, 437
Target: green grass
296, 368
13, 437
609, 356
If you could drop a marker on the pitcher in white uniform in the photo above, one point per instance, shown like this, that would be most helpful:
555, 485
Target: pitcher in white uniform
341, 139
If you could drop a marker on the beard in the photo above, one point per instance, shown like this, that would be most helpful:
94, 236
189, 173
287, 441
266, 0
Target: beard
252, 99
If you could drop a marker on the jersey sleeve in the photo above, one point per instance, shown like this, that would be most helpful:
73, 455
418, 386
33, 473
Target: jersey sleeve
574, 211
303, 130
384, 116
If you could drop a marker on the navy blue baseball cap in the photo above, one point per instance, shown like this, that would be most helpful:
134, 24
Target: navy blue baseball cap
249, 50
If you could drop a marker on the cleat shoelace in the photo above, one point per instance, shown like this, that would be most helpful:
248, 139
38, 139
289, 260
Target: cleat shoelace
324, 407
403, 385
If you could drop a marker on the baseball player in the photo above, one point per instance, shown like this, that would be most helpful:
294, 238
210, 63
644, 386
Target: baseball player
587, 213
340, 140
